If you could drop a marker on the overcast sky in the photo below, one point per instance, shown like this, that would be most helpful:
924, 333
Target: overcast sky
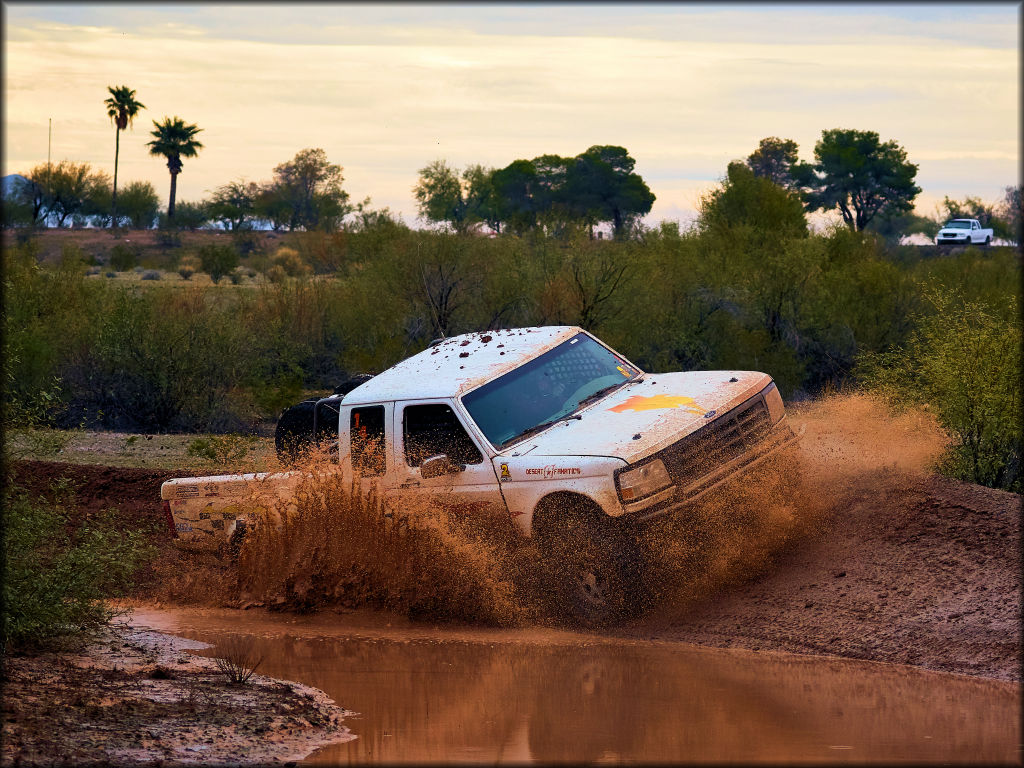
387, 88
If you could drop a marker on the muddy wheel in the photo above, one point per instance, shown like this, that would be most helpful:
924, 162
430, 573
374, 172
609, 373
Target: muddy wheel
594, 571
988, 241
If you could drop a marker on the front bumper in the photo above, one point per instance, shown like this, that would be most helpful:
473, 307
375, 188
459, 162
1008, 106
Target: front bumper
675, 498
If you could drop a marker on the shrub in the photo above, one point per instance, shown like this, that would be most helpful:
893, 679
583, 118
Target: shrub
964, 361
188, 266
246, 242
56, 580
237, 659
168, 238
223, 449
290, 262
123, 257
218, 260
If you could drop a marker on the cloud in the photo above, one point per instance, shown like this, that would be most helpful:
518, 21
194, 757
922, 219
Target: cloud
386, 89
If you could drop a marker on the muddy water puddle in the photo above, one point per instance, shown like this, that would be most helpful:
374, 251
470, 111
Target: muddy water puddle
430, 694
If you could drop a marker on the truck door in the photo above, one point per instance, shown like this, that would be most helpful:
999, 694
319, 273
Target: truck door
365, 444
424, 429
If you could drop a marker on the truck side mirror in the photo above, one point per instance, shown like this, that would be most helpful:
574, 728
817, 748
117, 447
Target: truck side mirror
438, 466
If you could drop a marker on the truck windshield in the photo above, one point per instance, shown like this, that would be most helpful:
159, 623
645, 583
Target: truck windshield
958, 224
547, 389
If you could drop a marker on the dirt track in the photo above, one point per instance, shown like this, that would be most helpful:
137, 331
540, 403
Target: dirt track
910, 569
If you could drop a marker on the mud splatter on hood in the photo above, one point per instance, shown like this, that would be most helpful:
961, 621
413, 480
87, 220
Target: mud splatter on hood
645, 416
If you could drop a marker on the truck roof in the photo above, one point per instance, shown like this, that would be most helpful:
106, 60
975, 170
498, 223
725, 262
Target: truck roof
459, 364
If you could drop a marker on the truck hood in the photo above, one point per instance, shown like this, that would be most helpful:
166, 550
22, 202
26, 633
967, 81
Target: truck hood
645, 416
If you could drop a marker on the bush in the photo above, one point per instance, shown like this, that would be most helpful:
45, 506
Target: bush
223, 449
188, 266
56, 581
290, 262
218, 260
124, 257
963, 361
168, 238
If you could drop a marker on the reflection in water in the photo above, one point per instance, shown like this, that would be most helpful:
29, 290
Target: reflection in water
567, 698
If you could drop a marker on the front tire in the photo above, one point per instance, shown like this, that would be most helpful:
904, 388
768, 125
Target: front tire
594, 572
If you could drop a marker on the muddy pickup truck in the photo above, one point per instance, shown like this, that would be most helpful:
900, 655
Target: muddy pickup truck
547, 428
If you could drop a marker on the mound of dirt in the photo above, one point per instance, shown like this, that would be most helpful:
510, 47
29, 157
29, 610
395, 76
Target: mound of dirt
921, 571
134, 493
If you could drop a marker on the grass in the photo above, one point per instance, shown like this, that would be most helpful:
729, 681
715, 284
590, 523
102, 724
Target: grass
121, 449
59, 573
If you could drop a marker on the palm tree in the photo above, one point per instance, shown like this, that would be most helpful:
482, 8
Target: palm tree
174, 139
121, 109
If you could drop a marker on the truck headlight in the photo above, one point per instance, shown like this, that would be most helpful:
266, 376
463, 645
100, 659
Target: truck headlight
635, 484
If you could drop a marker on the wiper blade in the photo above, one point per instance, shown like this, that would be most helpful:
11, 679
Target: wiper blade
533, 430
598, 395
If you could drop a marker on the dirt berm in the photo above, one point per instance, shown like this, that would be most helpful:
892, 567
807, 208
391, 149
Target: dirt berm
902, 566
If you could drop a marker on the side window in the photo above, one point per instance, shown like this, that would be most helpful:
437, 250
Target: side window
366, 431
429, 430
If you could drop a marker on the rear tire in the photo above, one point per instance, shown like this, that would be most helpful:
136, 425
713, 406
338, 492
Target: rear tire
236, 540
988, 241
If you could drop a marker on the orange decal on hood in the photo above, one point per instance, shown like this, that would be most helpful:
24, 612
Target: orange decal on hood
655, 402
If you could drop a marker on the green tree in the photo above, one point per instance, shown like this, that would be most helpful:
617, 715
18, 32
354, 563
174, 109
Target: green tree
309, 187
894, 226
1011, 211
515, 203
746, 199
600, 185
191, 215
174, 139
858, 175
140, 204
17, 202
122, 107
440, 196
234, 204
773, 159
218, 260
68, 188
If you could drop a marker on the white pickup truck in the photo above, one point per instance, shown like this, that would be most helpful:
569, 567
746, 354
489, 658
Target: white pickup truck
546, 428
963, 232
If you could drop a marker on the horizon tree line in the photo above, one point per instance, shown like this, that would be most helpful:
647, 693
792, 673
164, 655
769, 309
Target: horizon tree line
869, 183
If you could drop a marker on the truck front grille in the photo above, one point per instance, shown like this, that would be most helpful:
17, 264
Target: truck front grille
718, 443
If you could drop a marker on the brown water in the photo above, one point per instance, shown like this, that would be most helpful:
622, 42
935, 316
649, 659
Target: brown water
430, 694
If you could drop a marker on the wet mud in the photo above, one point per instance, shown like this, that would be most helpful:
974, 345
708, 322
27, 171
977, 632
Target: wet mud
426, 694
134, 696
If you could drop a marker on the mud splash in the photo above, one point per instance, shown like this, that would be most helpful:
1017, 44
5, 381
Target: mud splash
430, 561
853, 445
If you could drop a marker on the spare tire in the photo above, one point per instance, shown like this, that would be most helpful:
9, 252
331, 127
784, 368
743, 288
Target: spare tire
294, 432
355, 381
